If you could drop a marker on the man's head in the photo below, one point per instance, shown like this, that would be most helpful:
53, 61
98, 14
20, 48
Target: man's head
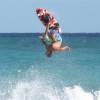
49, 51
43, 15
40, 11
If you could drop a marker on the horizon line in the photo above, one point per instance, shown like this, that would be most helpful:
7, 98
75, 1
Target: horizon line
43, 32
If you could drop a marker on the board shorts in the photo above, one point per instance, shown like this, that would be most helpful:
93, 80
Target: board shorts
58, 35
48, 40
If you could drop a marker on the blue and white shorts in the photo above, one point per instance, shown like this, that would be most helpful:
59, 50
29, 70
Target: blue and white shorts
58, 36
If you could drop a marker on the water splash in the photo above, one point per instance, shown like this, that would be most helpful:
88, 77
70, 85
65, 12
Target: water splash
37, 90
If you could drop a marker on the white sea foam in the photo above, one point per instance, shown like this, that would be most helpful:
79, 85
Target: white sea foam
77, 93
37, 90
33, 91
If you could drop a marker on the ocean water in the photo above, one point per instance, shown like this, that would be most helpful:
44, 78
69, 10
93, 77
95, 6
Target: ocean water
27, 74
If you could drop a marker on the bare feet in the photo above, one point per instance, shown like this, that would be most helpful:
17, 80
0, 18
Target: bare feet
66, 48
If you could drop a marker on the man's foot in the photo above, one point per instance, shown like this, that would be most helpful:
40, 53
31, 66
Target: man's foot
66, 48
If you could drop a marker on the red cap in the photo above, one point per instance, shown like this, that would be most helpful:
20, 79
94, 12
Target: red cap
38, 10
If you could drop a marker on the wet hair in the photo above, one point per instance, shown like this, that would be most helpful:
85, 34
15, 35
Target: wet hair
49, 53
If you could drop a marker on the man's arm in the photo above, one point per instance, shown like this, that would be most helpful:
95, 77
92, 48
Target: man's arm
47, 28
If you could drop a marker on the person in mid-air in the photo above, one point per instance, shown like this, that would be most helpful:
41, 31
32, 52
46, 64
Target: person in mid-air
51, 38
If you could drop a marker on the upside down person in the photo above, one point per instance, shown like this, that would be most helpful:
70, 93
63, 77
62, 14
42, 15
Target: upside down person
52, 37
52, 40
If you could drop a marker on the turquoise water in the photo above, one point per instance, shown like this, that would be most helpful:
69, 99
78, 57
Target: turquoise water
27, 74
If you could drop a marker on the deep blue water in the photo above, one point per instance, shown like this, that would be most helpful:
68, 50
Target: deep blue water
27, 74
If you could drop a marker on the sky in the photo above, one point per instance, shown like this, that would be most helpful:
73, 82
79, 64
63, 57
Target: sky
74, 16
